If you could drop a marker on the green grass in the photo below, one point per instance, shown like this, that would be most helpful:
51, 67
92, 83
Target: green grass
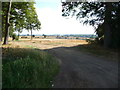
98, 50
28, 68
29, 46
54, 43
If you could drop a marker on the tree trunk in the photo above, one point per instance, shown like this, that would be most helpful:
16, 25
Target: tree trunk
7, 26
0, 35
18, 33
31, 34
107, 22
0, 22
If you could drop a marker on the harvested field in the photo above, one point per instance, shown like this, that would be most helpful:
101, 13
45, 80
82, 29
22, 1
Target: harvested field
49, 43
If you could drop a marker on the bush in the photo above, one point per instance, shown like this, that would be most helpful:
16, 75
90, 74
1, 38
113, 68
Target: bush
27, 68
77, 37
14, 37
98, 41
33, 35
90, 41
17, 38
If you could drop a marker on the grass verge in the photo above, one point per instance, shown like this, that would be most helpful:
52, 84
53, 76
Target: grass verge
99, 51
27, 68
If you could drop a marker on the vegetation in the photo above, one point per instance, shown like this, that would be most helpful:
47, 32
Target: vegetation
6, 25
27, 68
14, 37
17, 16
97, 50
104, 16
44, 35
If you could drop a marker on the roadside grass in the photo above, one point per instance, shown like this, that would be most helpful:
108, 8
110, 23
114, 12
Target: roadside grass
29, 46
27, 68
98, 50
54, 43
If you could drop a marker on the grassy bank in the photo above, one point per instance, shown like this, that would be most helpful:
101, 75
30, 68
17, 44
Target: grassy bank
27, 68
99, 51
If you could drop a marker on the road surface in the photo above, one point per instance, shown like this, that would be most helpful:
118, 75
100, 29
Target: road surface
82, 70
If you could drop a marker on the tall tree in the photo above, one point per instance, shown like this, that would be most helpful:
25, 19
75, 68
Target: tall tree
107, 25
7, 27
0, 21
97, 14
19, 16
32, 22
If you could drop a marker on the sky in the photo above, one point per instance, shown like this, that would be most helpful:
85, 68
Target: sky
52, 22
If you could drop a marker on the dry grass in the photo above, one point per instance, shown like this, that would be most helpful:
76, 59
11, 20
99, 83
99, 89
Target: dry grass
48, 43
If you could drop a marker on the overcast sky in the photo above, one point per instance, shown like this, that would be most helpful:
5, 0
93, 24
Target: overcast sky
50, 16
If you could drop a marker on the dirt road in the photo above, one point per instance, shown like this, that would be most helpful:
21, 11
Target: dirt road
78, 69
81, 70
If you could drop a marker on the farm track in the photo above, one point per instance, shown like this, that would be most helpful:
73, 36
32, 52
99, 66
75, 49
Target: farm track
79, 69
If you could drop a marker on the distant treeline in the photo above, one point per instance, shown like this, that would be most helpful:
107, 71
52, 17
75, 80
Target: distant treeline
69, 35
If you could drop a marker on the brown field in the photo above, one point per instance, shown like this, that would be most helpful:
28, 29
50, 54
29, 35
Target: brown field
47, 43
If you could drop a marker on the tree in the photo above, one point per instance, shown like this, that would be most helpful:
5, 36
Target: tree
32, 23
7, 22
97, 14
0, 22
19, 18
107, 25
19, 29
44, 35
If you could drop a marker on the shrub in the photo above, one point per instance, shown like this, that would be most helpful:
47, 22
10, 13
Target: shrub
33, 35
17, 38
14, 37
90, 41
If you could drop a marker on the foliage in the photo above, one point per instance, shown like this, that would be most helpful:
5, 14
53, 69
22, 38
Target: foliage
14, 36
27, 68
22, 16
97, 14
32, 23
44, 35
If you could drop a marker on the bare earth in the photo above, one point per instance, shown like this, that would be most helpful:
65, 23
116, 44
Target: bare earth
78, 69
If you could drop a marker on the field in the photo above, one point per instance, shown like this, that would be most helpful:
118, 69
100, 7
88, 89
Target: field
35, 64
49, 43
52, 42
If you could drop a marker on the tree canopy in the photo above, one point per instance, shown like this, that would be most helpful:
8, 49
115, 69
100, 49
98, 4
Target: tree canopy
103, 15
22, 16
